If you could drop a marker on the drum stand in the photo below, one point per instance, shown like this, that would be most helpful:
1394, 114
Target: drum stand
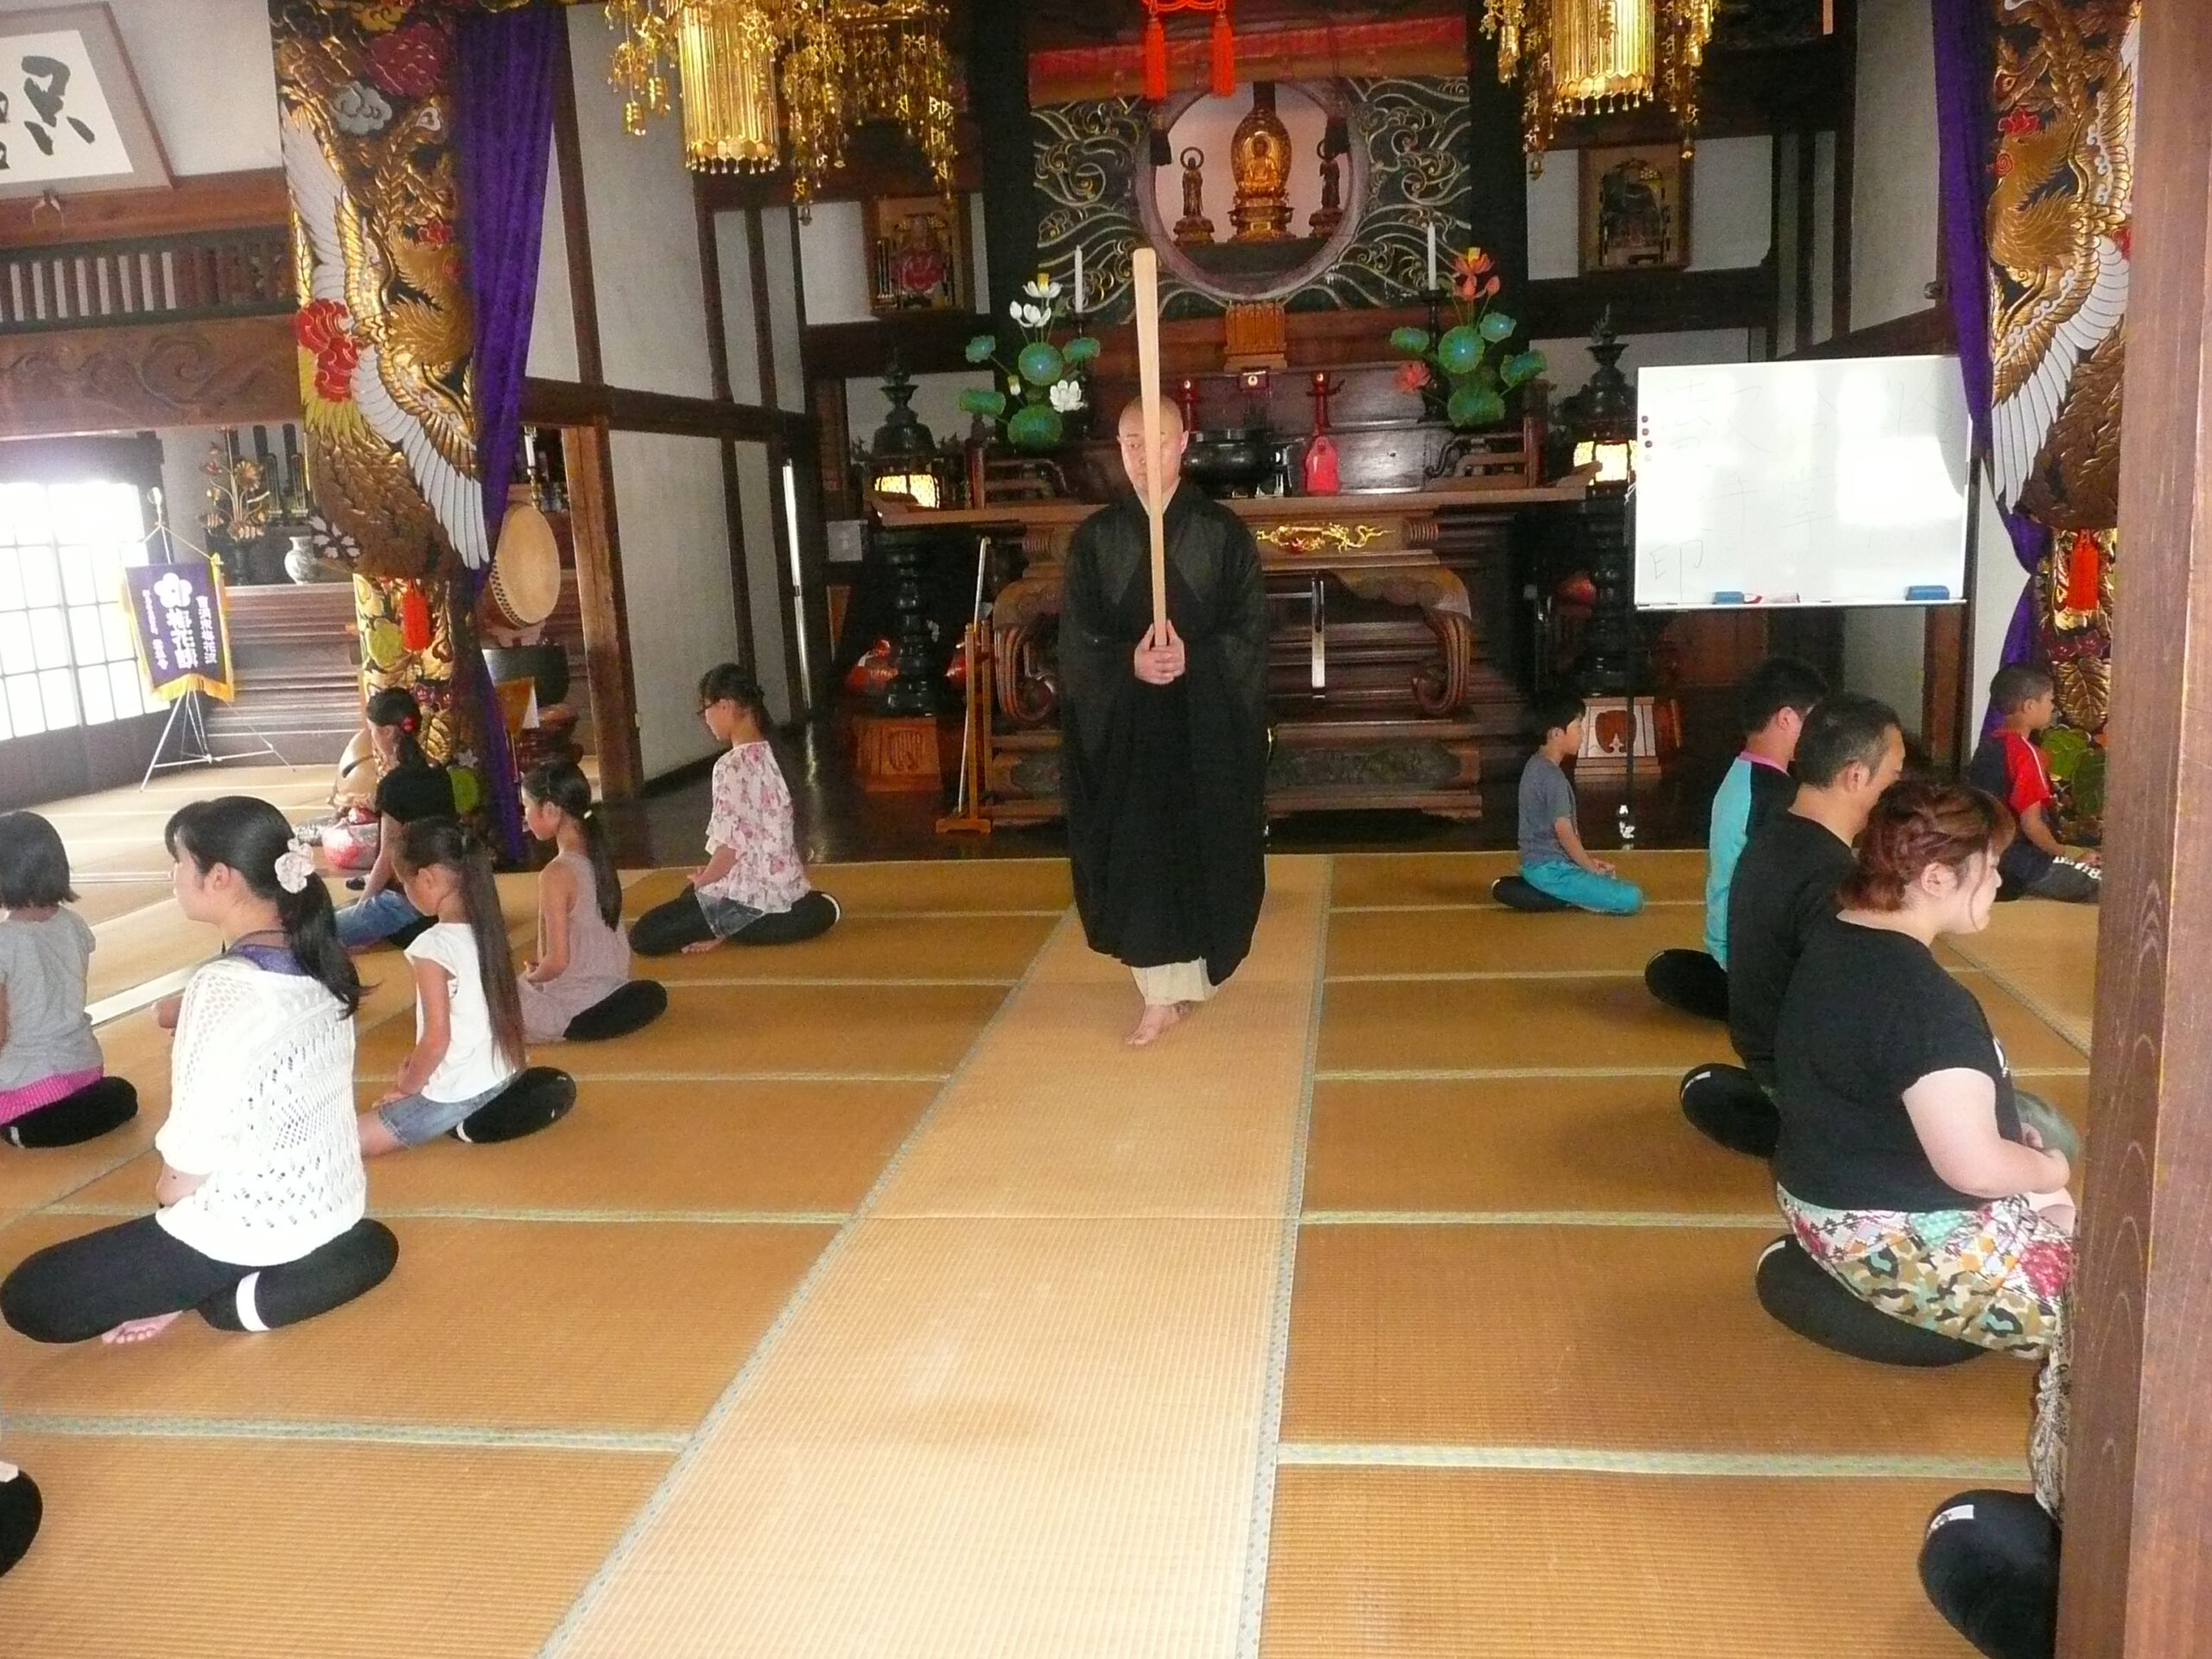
188, 721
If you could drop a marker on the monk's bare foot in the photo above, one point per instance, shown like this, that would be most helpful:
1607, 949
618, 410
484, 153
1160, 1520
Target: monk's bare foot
1157, 1016
140, 1330
697, 946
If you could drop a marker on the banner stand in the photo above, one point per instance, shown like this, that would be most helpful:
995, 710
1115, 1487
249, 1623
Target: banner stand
180, 630
194, 748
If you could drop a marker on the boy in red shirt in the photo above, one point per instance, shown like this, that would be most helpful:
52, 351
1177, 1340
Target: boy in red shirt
2010, 766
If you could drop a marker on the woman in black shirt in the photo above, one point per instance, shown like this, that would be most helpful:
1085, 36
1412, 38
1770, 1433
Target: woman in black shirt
1902, 1165
411, 788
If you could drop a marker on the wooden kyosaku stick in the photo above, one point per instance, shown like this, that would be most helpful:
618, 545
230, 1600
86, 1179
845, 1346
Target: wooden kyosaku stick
1144, 265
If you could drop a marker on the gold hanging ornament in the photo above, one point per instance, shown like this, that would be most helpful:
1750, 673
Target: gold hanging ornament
1592, 57
822, 65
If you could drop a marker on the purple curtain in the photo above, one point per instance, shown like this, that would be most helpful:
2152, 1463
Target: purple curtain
1963, 71
503, 127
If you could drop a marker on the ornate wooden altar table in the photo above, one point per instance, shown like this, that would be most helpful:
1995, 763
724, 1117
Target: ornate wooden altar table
1379, 694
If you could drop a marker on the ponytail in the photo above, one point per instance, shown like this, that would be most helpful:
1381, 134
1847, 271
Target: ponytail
428, 841
565, 786
395, 706
249, 837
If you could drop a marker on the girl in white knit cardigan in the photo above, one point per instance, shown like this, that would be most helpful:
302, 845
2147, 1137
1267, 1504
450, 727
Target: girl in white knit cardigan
261, 1193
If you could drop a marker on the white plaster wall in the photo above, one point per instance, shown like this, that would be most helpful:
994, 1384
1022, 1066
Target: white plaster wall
983, 265
553, 315
833, 252
760, 499
1893, 232
787, 309
676, 577
1570, 365
209, 76
184, 487
1893, 259
1730, 204
1884, 652
644, 240
1821, 326
936, 400
741, 324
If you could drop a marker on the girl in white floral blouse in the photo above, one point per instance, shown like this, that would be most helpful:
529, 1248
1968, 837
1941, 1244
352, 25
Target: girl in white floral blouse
752, 888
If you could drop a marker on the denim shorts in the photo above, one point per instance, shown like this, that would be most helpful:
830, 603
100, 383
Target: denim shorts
417, 1118
726, 915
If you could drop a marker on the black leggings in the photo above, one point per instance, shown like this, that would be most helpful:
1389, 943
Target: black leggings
73, 1291
668, 928
102, 1105
1689, 979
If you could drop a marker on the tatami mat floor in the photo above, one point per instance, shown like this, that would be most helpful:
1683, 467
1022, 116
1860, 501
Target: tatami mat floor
877, 1301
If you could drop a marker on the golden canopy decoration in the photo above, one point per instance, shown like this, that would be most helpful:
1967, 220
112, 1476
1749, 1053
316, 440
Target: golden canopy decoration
766, 83
1590, 57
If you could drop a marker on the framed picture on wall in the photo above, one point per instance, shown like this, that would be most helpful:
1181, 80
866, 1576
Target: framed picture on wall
1634, 208
918, 250
71, 116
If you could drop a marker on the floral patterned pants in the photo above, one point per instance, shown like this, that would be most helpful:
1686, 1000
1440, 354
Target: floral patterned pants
1995, 1276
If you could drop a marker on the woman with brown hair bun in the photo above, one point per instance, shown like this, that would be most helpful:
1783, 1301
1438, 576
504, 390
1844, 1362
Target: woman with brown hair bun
1903, 1163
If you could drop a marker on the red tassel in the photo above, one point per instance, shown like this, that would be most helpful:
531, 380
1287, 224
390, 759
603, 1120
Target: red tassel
2084, 566
1155, 60
414, 618
1225, 53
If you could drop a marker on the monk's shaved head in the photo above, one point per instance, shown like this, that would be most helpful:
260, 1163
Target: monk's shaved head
1171, 416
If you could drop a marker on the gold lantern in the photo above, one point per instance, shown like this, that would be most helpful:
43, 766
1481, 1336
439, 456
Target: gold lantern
1591, 57
814, 68
726, 59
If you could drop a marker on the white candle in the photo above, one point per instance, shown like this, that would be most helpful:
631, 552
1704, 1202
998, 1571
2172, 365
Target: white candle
1078, 282
1432, 256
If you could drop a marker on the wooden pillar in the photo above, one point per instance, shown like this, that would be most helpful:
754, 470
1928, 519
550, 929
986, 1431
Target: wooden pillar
2137, 1577
606, 612
998, 93
1497, 171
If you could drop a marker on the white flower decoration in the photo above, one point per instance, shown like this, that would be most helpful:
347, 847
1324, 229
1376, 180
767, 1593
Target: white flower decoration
1044, 288
1066, 396
173, 591
1029, 316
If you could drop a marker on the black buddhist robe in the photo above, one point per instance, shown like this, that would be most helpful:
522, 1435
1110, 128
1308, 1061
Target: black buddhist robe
1165, 784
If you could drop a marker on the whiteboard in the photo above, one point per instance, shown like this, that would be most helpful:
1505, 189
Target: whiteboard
1836, 482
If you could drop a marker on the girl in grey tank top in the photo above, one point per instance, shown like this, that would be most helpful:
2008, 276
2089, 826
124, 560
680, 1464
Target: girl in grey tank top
582, 955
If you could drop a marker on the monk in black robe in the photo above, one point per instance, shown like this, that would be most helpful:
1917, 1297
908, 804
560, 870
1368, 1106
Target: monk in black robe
1164, 741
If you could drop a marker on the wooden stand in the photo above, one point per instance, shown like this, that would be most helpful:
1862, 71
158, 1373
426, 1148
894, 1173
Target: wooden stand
967, 814
897, 754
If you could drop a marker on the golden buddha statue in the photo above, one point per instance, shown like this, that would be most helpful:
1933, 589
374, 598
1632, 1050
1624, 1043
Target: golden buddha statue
1259, 157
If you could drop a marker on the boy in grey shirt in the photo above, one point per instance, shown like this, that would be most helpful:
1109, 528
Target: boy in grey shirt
1552, 858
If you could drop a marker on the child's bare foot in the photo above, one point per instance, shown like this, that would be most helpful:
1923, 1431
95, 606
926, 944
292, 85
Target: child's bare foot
140, 1330
695, 948
1158, 1017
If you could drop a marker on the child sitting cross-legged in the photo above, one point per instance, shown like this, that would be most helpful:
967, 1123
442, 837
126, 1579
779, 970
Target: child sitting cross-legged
2009, 765
260, 1193
54, 1091
468, 1032
1552, 858
752, 889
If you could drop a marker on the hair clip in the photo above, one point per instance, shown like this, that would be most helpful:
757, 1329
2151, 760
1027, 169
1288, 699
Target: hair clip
295, 865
